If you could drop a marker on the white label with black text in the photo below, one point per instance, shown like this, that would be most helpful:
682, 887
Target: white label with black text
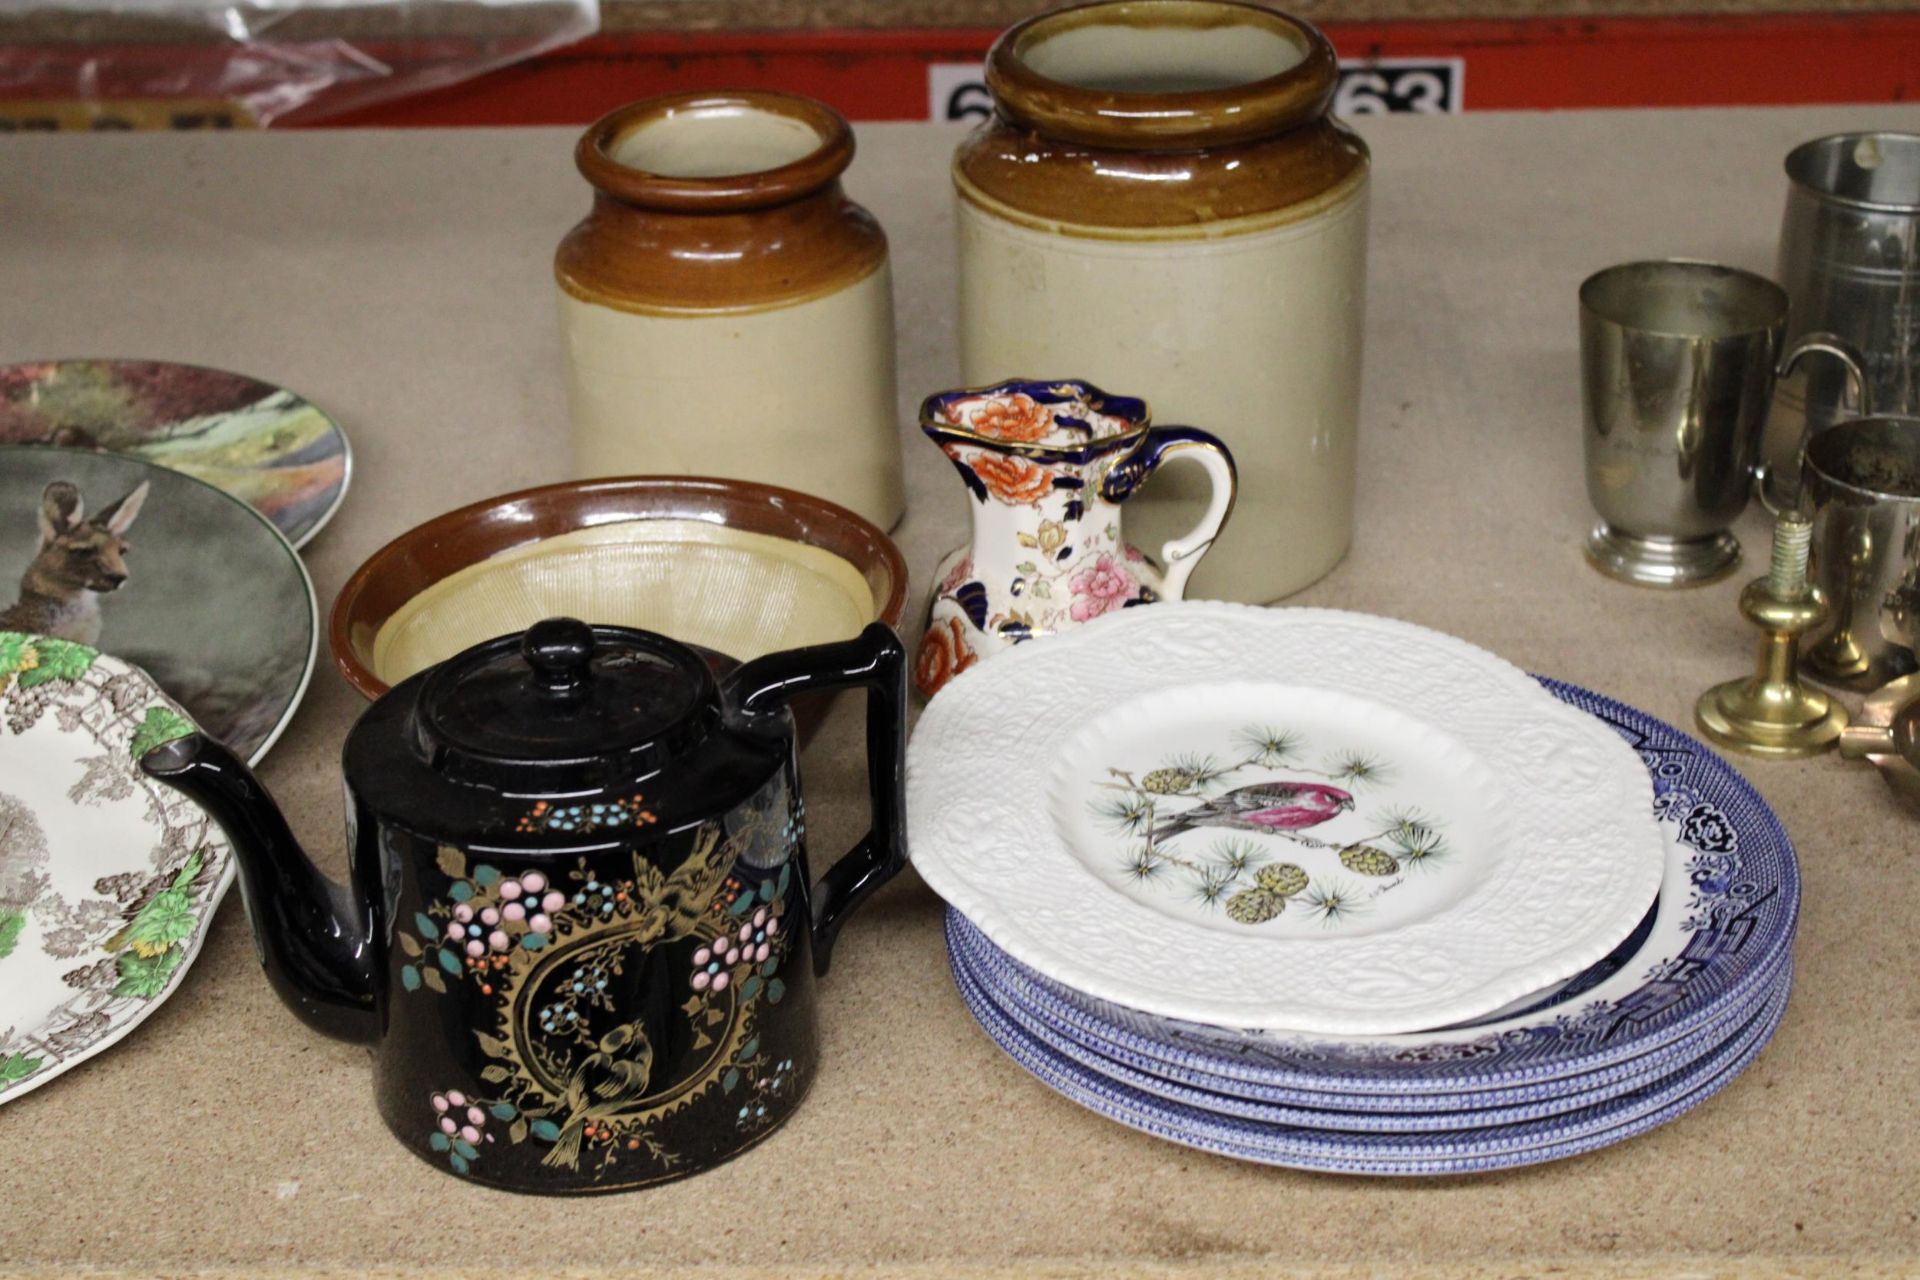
1368, 87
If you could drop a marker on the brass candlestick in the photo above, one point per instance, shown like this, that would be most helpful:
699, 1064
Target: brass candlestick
1771, 713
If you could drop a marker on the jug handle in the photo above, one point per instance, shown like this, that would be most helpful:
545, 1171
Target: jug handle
1181, 555
876, 660
1861, 394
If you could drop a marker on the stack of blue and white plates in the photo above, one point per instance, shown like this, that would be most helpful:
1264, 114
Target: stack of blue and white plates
1244, 910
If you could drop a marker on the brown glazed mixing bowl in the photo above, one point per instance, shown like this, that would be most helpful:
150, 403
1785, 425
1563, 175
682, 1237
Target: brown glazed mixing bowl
727, 565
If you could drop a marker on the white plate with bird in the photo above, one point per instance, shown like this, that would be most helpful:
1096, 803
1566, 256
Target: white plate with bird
1291, 818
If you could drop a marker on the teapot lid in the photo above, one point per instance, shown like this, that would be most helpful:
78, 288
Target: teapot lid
564, 707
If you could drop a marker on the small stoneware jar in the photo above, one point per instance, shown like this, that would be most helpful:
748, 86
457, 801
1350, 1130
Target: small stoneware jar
1161, 202
579, 934
726, 309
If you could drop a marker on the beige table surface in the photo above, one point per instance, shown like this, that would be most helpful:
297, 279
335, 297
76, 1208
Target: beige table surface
401, 280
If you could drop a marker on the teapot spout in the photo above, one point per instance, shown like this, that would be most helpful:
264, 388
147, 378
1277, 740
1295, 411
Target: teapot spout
314, 938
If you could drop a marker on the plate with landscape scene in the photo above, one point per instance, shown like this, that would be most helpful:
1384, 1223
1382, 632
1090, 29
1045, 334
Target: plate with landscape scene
269, 447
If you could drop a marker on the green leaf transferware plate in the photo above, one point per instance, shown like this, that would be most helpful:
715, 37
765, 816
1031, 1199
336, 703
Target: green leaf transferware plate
265, 445
107, 878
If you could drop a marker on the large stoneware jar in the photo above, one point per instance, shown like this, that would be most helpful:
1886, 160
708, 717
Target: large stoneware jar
1160, 201
727, 310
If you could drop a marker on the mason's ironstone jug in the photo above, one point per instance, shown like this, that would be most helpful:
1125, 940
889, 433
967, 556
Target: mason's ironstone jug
1047, 465
579, 933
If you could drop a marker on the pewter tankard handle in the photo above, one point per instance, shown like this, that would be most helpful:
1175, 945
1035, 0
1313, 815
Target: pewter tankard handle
1860, 392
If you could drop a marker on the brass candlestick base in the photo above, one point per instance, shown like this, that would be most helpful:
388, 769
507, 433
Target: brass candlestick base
1772, 713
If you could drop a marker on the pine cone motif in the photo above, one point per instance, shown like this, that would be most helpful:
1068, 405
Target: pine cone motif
1283, 879
1167, 782
1368, 861
1255, 906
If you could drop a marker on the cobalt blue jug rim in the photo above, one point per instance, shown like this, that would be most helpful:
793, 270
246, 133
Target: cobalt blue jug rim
1135, 412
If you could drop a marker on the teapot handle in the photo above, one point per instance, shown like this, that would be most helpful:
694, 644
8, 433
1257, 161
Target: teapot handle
874, 659
1180, 556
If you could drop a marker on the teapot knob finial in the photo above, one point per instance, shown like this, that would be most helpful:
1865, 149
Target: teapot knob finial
559, 651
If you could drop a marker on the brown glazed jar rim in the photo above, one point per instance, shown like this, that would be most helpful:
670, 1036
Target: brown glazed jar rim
724, 193
1133, 121
455, 540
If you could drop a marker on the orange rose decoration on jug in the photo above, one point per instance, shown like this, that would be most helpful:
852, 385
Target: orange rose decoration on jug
1018, 417
1009, 479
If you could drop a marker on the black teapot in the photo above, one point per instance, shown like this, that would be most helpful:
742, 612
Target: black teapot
579, 934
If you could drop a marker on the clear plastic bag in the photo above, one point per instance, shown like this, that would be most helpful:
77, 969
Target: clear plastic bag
277, 61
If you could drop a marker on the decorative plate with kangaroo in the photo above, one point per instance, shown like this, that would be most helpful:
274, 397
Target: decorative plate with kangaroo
1294, 818
265, 445
107, 878
178, 577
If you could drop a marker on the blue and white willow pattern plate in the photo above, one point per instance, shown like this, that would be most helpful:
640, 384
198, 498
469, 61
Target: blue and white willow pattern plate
1366, 1113
1717, 939
1467, 1150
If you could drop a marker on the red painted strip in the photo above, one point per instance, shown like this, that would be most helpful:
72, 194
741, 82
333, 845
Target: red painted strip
882, 75
1667, 62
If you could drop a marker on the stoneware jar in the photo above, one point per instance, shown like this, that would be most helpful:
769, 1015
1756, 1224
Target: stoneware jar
1046, 467
1160, 201
579, 934
726, 309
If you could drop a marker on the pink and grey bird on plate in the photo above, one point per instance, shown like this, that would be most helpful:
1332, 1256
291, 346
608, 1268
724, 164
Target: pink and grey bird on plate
1264, 806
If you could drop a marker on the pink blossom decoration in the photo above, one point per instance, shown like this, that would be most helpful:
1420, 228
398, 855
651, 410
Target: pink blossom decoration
1100, 588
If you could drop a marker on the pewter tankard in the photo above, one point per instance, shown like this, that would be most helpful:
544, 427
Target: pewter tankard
1862, 480
1850, 263
1678, 361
